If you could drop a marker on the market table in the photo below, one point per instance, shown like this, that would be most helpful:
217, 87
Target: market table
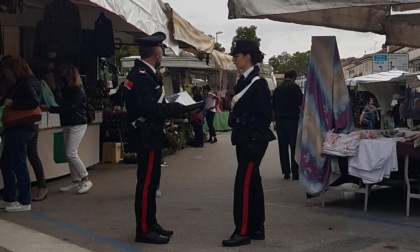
220, 122
407, 150
404, 149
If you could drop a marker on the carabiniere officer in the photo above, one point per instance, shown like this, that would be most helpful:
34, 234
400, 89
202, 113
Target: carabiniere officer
147, 111
250, 120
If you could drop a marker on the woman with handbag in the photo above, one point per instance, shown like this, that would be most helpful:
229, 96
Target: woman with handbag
73, 119
23, 95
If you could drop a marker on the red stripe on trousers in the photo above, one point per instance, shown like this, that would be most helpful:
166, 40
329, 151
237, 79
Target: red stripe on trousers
146, 192
245, 206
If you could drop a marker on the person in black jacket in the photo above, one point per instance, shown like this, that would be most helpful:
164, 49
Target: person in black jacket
287, 99
73, 119
23, 94
147, 111
250, 121
196, 118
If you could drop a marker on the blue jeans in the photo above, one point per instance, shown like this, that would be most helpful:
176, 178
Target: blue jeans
13, 166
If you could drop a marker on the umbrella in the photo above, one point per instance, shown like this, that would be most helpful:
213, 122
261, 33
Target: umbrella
397, 19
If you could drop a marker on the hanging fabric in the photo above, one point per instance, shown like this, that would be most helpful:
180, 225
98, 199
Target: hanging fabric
63, 26
104, 37
11, 6
1, 40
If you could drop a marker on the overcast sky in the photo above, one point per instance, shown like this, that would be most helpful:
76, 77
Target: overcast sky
210, 16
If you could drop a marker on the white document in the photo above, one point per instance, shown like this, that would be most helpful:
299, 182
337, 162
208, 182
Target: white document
184, 98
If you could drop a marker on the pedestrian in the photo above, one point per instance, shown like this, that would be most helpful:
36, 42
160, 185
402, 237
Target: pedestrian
73, 119
396, 113
416, 112
287, 100
37, 167
403, 113
146, 112
370, 114
211, 102
23, 94
250, 121
196, 118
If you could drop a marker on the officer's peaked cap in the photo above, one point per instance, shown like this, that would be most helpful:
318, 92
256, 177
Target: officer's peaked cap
246, 46
155, 39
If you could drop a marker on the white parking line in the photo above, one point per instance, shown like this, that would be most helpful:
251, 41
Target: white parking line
17, 238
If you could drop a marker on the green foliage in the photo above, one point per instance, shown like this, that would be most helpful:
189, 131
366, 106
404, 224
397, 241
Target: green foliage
217, 45
299, 62
125, 51
245, 33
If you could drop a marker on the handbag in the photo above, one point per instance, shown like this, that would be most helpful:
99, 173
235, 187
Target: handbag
13, 117
196, 116
59, 148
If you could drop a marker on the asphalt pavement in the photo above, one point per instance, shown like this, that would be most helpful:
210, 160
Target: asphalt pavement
197, 201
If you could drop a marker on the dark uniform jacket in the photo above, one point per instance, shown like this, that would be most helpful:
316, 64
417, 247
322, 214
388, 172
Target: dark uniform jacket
252, 113
25, 95
142, 90
72, 108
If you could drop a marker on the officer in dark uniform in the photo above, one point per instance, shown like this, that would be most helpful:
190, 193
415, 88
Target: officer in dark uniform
147, 111
250, 120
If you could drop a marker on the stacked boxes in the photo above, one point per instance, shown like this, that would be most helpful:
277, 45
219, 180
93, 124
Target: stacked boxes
112, 152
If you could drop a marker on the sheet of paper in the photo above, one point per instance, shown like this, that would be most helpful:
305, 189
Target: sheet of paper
184, 98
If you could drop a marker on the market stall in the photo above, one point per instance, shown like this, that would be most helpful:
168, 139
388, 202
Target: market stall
34, 32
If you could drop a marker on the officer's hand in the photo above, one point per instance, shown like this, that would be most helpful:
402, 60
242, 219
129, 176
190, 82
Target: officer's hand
178, 109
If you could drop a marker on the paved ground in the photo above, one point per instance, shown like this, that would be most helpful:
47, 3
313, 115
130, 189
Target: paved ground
197, 189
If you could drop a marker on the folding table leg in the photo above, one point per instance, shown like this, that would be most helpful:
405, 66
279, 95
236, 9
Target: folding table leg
367, 190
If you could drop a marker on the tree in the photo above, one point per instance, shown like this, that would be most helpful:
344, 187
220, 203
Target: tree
299, 62
125, 51
245, 33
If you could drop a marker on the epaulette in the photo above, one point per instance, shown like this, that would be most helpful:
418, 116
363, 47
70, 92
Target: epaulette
142, 71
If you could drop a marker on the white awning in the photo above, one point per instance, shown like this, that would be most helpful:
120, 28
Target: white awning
382, 17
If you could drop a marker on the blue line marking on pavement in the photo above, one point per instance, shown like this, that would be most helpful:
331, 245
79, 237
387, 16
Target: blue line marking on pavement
86, 232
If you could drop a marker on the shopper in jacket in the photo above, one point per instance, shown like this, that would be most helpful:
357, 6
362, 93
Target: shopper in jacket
73, 119
23, 94
287, 99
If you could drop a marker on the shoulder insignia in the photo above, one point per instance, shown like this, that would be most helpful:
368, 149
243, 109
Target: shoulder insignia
128, 84
142, 71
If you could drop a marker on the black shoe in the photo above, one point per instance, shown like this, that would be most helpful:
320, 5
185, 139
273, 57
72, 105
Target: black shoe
160, 230
152, 237
237, 240
295, 177
258, 235
209, 141
286, 176
214, 141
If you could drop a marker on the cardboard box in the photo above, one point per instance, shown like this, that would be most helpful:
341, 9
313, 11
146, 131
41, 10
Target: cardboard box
112, 152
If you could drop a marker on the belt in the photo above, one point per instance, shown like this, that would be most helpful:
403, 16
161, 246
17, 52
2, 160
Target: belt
137, 123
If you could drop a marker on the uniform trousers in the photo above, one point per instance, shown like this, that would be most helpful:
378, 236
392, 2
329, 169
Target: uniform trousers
148, 177
248, 203
286, 137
